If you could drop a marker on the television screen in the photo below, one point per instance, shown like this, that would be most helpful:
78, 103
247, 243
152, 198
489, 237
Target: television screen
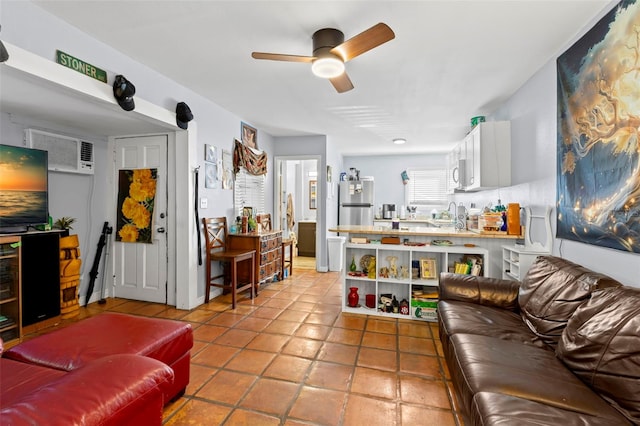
23, 186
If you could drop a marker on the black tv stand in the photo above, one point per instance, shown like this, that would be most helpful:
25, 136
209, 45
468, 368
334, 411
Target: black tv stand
40, 278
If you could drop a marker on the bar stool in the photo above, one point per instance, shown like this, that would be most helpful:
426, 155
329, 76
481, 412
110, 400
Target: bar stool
215, 231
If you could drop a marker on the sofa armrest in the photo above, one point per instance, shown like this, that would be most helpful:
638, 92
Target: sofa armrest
480, 290
114, 390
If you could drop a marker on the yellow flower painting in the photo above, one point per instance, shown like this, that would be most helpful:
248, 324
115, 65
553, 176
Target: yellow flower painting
136, 198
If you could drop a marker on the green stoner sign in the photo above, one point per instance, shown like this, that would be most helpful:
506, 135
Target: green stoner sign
76, 64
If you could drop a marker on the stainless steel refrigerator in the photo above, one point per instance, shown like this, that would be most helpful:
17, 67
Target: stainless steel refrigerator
355, 202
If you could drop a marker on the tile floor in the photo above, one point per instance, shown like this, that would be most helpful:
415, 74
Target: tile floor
290, 357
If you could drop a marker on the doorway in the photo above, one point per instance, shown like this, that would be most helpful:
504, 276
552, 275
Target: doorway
295, 205
141, 264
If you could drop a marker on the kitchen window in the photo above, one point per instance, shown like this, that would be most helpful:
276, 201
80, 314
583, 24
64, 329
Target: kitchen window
426, 187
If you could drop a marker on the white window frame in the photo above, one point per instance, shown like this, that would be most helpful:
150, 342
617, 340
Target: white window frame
436, 197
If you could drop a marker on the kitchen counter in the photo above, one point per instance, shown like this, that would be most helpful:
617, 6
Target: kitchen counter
492, 241
423, 231
430, 221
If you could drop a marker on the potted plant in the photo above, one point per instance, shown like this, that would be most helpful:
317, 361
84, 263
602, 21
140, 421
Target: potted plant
64, 222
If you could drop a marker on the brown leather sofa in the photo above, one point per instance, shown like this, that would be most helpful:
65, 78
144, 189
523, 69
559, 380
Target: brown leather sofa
560, 348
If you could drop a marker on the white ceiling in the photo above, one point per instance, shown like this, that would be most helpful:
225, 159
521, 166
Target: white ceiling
450, 60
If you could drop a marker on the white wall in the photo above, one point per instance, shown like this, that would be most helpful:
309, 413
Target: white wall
386, 170
29, 27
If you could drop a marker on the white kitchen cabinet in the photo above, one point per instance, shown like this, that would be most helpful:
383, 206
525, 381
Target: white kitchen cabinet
516, 261
487, 156
401, 286
456, 169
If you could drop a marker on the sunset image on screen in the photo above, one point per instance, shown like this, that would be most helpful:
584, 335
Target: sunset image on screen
22, 171
23, 186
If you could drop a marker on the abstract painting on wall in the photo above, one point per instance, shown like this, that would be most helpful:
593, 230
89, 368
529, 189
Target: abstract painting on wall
598, 170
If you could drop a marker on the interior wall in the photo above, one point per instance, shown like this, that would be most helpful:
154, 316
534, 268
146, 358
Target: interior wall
71, 195
532, 112
388, 188
27, 26
332, 176
307, 167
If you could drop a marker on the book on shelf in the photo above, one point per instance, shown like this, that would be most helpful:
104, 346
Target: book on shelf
6, 321
470, 264
359, 240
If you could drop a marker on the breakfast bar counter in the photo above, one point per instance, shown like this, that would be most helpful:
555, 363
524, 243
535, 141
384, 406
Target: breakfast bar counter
396, 272
490, 240
422, 231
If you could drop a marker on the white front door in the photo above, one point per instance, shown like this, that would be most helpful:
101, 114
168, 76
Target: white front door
140, 268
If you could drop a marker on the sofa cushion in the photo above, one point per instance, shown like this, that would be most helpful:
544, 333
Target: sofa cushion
484, 291
552, 290
19, 380
601, 346
469, 318
487, 364
106, 334
114, 390
491, 408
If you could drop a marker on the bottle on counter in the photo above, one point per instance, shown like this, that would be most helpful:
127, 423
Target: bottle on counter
513, 219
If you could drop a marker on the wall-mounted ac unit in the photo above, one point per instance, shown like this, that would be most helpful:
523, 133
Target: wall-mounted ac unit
66, 154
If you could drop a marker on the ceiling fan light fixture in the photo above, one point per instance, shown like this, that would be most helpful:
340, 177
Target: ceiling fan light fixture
399, 141
327, 67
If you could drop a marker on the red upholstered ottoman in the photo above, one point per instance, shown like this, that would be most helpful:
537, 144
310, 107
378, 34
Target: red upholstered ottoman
109, 334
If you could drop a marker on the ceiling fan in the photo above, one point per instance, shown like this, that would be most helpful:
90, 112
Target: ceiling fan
330, 52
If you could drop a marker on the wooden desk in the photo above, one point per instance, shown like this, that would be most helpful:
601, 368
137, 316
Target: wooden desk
267, 245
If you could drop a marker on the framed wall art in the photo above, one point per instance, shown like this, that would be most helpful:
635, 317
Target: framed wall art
249, 135
210, 153
210, 175
428, 269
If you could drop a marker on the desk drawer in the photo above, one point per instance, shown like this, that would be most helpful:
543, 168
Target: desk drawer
269, 269
269, 256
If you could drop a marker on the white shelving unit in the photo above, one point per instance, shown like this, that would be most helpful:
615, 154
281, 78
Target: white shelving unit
400, 287
516, 261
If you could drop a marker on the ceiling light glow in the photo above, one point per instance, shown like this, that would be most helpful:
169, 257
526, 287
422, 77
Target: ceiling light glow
399, 141
327, 67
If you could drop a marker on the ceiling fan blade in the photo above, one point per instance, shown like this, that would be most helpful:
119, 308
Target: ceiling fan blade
363, 42
342, 83
281, 57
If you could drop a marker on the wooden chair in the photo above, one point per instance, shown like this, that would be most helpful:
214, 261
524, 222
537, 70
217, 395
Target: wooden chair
215, 231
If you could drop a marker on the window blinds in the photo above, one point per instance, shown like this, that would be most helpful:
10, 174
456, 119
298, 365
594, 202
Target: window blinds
248, 191
426, 187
